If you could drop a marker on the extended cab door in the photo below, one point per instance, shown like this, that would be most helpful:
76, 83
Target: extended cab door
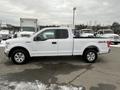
64, 42
45, 43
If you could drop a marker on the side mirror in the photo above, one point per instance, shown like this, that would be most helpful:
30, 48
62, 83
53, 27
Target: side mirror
36, 39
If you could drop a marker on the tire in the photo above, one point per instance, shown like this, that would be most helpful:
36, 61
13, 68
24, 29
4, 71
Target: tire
20, 56
90, 56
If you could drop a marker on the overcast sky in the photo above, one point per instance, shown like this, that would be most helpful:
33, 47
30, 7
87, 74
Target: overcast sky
60, 11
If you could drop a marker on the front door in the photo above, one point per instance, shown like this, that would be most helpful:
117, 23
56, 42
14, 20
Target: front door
45, 44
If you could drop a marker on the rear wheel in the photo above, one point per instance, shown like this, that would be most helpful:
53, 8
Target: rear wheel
20, 56
90, 56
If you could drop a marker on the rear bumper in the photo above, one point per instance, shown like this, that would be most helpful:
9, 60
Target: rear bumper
105, 52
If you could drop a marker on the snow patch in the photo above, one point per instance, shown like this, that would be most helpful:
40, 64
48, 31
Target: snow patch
36, 86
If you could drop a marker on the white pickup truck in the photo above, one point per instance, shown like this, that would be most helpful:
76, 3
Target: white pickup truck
55, 42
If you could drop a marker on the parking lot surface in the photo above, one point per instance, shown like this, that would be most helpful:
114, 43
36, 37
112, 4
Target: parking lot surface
62, 72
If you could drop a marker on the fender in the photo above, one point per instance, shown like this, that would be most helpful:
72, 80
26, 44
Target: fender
20, 45
90, 45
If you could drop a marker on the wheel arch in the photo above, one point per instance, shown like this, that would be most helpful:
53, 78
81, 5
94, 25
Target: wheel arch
18, 47
92, 47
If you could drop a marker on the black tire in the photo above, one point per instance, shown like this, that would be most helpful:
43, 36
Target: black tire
23, 52
87, 53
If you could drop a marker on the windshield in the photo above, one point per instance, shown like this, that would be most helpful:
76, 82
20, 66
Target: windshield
30, 29
108, 32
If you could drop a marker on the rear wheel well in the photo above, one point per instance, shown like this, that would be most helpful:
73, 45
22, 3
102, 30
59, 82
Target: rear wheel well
16, 48
91, 48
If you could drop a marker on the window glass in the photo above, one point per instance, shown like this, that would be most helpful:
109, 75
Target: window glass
53, 34
48, 34
62, 34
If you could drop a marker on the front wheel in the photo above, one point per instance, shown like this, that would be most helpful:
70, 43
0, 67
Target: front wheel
20, 56
90, 56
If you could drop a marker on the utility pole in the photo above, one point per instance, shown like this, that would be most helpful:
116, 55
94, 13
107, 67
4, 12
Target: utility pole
0, 24
74, 9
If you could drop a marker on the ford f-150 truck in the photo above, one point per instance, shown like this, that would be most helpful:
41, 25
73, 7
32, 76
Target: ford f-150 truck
55, 42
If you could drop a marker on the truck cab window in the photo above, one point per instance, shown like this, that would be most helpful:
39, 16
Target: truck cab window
62, 34
53, 34
48, 34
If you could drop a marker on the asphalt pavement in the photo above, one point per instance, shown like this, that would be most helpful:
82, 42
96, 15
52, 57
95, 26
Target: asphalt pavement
61, 73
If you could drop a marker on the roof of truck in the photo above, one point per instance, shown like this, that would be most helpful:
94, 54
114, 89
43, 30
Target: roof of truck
56, 28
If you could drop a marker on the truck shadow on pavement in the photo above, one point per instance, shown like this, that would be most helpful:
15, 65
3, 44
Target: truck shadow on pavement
37, 60
63, 59
57, 59
47, 73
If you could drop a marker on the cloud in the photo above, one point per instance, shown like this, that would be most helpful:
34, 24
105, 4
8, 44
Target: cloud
60, 11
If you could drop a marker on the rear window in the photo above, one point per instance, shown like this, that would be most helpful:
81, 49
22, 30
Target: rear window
62, 34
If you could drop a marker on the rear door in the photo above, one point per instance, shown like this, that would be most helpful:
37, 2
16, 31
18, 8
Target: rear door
64, 42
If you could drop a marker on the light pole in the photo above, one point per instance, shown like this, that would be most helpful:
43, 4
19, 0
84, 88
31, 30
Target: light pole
74, 8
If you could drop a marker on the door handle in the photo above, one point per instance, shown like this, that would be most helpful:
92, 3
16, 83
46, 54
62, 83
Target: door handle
54, 42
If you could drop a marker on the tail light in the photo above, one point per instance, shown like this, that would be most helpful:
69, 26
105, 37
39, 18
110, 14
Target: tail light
109, 43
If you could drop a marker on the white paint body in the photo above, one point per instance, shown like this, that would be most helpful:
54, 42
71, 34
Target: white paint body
63, 47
